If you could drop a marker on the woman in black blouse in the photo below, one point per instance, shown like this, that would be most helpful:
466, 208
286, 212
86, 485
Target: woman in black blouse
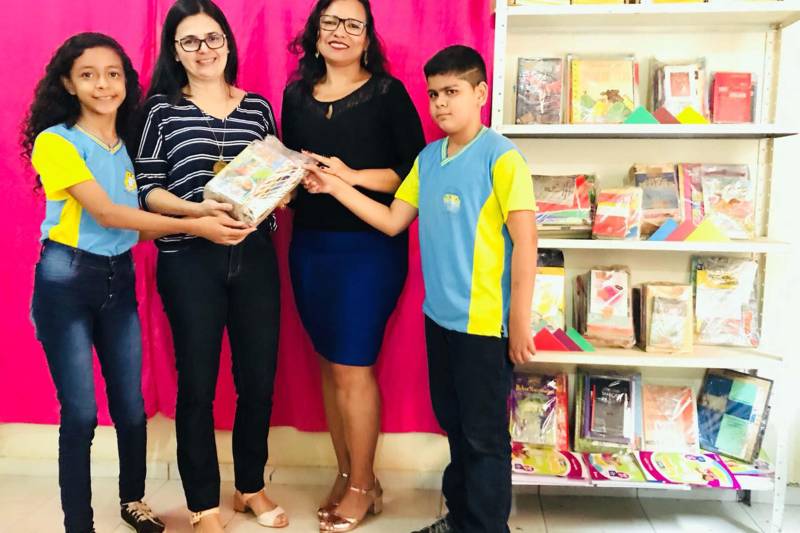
196, 120
347, 277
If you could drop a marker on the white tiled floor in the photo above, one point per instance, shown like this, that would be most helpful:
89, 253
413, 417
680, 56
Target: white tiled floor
31, 505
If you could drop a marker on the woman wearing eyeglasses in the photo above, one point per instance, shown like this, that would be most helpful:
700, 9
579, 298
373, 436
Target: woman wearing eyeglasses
196, 120
358, 121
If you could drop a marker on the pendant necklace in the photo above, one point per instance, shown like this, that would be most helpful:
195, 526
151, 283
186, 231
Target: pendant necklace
220, 163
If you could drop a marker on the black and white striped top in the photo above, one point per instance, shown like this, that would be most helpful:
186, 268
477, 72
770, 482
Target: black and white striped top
180, 144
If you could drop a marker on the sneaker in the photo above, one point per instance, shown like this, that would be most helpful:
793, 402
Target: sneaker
443, 525
141, 518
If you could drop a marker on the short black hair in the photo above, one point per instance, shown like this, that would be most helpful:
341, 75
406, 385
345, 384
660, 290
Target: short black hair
459, 60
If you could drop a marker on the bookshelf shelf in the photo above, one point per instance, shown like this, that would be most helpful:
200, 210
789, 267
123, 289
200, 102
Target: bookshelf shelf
744, 15
758, 246
645, 131
747, 482
701, 357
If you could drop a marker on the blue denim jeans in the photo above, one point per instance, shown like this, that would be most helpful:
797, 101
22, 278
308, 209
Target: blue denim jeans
81, 300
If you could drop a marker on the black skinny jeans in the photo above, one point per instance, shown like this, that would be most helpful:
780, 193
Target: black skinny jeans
206, 288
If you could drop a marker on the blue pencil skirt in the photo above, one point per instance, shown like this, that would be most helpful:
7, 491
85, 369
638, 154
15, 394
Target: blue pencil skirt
346, 284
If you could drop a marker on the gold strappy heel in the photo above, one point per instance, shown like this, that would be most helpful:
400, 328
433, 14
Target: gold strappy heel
340, 524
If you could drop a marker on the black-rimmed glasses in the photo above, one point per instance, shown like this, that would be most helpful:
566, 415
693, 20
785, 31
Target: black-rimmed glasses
351, 26
192, 44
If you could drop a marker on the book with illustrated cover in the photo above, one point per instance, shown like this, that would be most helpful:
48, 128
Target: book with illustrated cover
670, 419
602, 307
677, 86
700, 469
529, 460
540, 84
732, 409
729, 199
666, 317
660, 195
620, 467
608, 411
690, 178
549, 294
258, 179
725, 301
732, 98
618, 214
539, 415
563, 201
602, 90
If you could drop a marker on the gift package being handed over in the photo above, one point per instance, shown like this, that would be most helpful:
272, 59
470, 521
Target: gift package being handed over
258, 179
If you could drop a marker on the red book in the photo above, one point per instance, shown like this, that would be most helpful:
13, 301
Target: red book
731, 98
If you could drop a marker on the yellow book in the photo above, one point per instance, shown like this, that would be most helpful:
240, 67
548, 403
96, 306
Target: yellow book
602, 90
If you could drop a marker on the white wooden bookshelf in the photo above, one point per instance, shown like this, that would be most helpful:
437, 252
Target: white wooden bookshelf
739, 36
747, 483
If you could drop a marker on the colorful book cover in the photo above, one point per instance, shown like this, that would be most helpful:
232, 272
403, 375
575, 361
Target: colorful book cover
667, 318
609, 305
704, 470
660, 195
539, 414
603, 90
614, 467
539, 90
670, 419
732, 410
691, 185
678, 86
729, 199
527, 459
618, 214
731, 98
564, 200
726, 301
549, 298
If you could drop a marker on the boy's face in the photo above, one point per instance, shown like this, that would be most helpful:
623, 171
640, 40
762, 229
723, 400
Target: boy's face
454, 103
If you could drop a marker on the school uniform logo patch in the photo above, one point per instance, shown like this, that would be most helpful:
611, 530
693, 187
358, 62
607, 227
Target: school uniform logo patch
130, 181
452, 202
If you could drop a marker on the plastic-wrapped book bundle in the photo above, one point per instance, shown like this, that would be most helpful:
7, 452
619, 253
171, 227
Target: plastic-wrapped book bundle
258, 179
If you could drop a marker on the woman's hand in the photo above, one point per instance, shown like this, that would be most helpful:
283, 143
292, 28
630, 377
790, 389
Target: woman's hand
221, 229
320, 181
212, 208
335, 166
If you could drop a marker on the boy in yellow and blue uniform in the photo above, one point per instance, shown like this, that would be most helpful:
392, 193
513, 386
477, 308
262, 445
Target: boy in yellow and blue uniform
473, 195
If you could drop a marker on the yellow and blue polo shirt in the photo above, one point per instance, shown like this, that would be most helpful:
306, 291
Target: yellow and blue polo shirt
64, 157
464, 202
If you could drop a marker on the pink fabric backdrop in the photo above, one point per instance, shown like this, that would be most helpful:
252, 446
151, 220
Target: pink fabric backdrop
412, 31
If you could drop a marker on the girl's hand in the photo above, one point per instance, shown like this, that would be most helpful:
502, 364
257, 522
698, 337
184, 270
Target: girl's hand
320, 181
212, 208
521, 348
335, 166
221, 229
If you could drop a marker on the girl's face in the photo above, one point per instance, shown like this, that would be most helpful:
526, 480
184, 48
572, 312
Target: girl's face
337, 44
97, 79
204, 61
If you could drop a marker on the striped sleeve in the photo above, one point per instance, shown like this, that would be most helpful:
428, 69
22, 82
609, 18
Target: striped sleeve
151, 160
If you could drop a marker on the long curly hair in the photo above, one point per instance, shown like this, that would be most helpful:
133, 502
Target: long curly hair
169, 76
311, 69
52, 104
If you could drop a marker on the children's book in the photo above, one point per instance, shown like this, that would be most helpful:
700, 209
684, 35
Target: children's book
549, 293
677, 86
620, 467
690, 177
701, 469
564, 200
670, 419
726, 301
539, 414
608, 412
603, 90
660, 195
732, 410
618, 214
529, 460
603, 307
729, 199
666, 319
539, 90
731, 98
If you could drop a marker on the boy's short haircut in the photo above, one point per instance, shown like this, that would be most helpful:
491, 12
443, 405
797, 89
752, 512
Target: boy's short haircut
458, 60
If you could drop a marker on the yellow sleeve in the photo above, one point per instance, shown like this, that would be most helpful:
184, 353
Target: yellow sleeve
58, 164
409, 189
512, 184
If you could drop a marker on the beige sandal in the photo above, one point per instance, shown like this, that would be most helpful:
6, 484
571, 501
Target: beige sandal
267, 518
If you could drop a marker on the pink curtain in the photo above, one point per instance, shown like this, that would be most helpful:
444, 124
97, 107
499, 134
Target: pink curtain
412, 31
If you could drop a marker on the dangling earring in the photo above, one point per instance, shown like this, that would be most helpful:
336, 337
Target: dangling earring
316, 54
365, 58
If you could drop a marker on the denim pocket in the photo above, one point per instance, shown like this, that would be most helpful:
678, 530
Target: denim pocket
56, 268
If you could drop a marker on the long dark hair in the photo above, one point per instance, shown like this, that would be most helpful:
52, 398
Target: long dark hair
169, 76
52, 104
311, 69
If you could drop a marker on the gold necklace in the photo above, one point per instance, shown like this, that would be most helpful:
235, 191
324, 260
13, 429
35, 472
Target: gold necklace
220, 163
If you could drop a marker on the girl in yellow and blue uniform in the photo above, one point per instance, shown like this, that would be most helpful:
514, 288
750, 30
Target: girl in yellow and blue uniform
84, 289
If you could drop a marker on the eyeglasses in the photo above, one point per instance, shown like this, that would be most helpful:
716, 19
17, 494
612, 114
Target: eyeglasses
192, 44
351, 26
